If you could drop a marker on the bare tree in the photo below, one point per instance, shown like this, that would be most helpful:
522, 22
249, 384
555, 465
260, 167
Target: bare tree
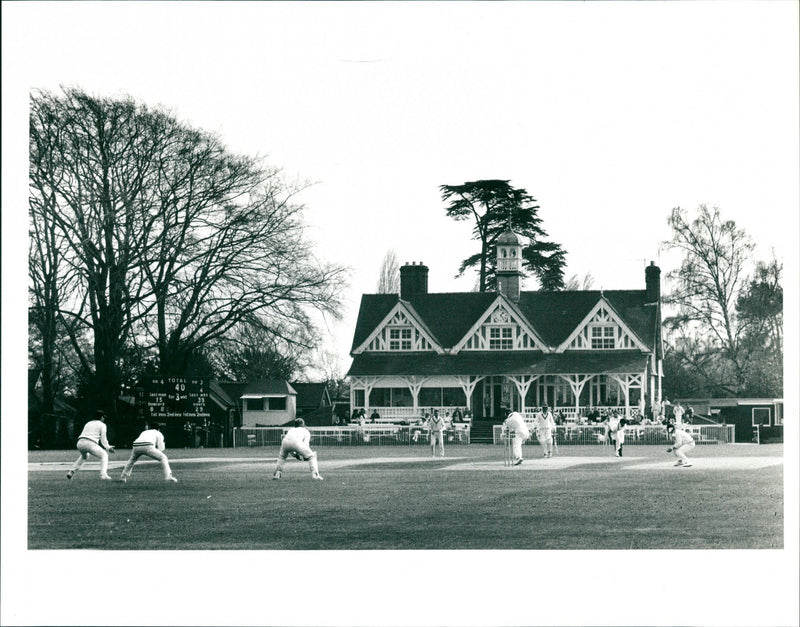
172, 240
389, 278
575, 283
706, 287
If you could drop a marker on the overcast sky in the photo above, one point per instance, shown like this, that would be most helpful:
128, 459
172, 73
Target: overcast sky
608, 114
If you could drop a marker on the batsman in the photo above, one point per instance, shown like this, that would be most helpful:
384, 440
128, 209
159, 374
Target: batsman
516, 423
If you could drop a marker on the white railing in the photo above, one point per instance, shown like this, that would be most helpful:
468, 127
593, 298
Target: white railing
634, 434
567, 412
351, 435
407, 413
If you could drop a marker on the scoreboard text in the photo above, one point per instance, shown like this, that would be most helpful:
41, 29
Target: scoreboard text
174, 397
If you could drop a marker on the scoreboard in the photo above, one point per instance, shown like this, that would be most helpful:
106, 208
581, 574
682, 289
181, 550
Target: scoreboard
183, 398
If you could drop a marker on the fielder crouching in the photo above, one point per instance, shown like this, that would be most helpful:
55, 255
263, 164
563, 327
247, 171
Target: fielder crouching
93, 441
296, 443
151, 444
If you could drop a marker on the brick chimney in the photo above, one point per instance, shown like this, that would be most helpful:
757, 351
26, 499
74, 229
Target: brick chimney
652, 281
413, 280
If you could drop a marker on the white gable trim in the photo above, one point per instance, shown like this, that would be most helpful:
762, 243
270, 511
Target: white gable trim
615, 318
514, 317
400, 309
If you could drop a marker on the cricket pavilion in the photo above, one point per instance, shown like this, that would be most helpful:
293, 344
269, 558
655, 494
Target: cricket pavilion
580, 352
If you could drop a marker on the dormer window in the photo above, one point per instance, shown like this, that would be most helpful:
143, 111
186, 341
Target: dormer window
501, 338
603, 337
400, 339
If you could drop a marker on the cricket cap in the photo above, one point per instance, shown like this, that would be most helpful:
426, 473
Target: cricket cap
299, 422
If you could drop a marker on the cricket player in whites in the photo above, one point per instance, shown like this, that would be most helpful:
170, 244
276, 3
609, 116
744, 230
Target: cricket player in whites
516, 423
436, 429
296, 443
151, 444
682, 443
545, 428
93, 441
616, 431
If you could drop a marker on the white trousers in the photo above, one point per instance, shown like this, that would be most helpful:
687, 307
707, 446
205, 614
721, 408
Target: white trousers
148, 451
437, 436
302, 449
546, 440
681, 451
516, 445
89, 447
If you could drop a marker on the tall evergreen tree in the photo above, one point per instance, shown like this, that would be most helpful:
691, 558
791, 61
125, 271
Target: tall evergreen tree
493, 206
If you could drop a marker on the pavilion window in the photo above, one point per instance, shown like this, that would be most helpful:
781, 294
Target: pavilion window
400, 339
603, 337
501, 338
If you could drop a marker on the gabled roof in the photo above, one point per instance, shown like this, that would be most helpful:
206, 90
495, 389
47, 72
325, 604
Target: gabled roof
553, 315
448, 316
310, 394
265, 387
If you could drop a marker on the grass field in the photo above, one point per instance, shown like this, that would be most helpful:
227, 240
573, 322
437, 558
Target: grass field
399, 498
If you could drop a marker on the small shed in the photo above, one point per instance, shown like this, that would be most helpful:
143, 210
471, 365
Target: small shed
745, 414
267, 403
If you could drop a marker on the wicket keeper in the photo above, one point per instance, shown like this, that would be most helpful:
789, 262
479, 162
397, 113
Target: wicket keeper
296, 443
151, 444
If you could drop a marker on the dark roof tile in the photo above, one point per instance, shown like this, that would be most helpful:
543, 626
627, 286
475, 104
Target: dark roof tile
553, 315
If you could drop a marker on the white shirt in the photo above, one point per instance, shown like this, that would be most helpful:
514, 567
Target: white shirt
298, 434
682, 437
436, 423
516, 423
152, 437
545, 422
95, 430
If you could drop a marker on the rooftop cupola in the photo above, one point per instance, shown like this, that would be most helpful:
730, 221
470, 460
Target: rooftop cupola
509, 264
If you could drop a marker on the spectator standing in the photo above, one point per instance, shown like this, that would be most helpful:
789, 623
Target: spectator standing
436, 428
374, 416
545, 427
151, 444
296, 443
93, 441
677, 412
682, 443
515, 423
